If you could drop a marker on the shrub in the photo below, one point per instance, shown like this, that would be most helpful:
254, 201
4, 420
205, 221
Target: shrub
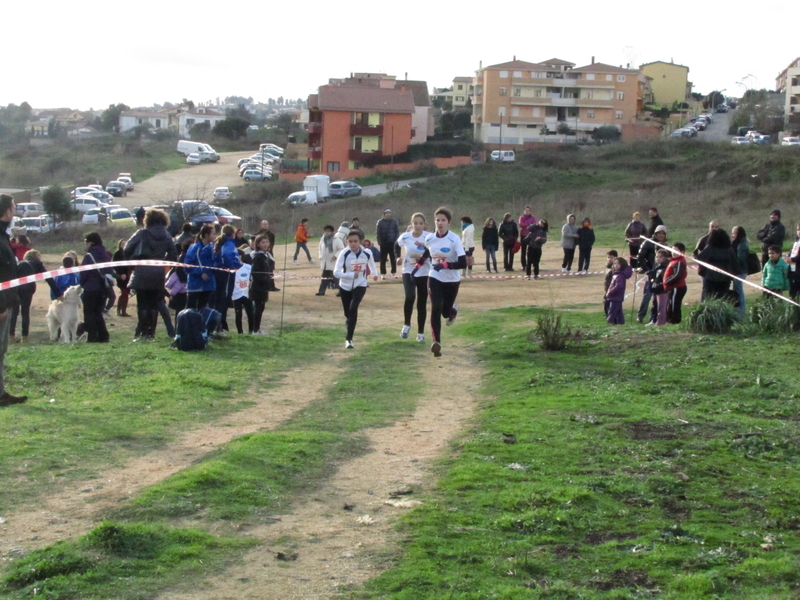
56, 202
713, 316
553, 334
770, 315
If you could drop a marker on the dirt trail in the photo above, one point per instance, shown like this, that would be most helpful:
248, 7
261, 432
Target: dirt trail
334, 551
79, 507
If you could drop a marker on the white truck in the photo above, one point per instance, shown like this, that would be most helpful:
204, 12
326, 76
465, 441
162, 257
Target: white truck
318, 184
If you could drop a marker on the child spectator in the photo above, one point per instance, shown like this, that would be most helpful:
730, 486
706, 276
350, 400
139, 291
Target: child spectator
468, 241
611, 256
656, 275
675, 283
329, 248
616, 291
775, 276
65, 281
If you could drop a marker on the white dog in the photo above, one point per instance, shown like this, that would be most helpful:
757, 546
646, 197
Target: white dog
64, 313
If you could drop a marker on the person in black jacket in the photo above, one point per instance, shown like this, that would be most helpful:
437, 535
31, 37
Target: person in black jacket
386, 233
655, 221
509, 232
772, 234
647, 260
8, 298
718, 253
30, 265
490, 242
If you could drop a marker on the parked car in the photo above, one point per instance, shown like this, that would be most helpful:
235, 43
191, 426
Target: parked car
117, 188
790, 141
764, 139
256, 175
208, 157
120, 216
29, 209
18, 225
91, 216
304, 198
701, 124
740, 141
193, 159
96, 186
85, 203
222, 193
40, 224
343, 189
101, 195
195, 212
80, 191
127, 180
226, 217
502, 156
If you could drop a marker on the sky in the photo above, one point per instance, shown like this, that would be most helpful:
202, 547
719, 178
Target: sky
89, 54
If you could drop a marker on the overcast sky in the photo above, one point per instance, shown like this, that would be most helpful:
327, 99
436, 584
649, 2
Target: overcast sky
90, 54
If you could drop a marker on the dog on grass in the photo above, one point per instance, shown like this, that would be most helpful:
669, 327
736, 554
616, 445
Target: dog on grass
63, 313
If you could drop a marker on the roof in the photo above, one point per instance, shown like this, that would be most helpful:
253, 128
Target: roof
143, 113
515, 64
368, 99
463, 79
557, 62
663, 62
604, 68
419, 89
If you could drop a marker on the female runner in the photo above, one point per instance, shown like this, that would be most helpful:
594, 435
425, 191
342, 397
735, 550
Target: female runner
351, 270
412, 243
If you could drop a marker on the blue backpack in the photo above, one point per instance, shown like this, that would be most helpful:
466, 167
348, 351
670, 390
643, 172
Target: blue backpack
190, 331
211, 320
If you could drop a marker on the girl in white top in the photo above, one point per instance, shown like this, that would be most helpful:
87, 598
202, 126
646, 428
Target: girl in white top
468, 241
412, 246
447, 257
351, 271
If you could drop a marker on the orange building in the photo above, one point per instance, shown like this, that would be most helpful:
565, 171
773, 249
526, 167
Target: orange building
353, 122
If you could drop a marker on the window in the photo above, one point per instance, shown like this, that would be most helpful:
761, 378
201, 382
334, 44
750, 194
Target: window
515, 111
608, 77
531, 126
503, 74
536, 111
588, 94
620, 95
333, 167
460, 87
459, 98
621, 78
503, 91
537, 93
517, 92
511, 125
619, 114
356, 164
158, 123
590, 114
501, 111
517, 73
590, 76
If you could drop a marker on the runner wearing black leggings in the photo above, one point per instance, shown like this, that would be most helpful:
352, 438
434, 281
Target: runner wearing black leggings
351, 270
412, 243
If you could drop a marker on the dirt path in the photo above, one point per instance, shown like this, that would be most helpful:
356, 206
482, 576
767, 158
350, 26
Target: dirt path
79, 507
335, 548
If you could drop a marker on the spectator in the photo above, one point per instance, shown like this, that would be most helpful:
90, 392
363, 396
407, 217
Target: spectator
387, 231
775, 276
509, 232
718, 253
741, 246
526, 219
772, 234
468, 241
675, 283
585, 243
794, 273
647, 260
301, 237
94, 289
655, 221
569, 237
9, 297
490, 242
633, 235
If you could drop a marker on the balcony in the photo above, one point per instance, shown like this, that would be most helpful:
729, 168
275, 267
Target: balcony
360, 156
315, 152
315, 128
366, 130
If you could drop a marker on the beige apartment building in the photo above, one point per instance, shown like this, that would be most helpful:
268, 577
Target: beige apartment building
788, 82
670, 82
463, 88
520, 102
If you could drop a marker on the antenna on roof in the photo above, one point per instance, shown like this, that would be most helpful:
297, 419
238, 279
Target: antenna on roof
632, 54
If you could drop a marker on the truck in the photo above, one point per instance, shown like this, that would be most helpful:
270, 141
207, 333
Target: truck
318, 184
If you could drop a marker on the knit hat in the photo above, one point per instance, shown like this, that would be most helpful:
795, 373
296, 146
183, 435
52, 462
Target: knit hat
776, 212
660, 228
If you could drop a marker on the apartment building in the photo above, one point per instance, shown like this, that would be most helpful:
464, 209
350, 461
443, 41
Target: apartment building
788, 82
463, 88
518, 102
670, 81
366, 116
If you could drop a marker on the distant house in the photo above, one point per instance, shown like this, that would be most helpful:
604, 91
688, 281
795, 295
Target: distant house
463, 88
201, 114
788, 82
130, 119
670, 82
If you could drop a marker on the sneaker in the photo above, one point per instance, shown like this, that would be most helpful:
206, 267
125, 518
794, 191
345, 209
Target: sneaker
404, 332
311, 261
569, 272
420, 337
349, 345
537, 277
650, 323
294, 262
7, 399
528, 278
453, 314
436, 348
563, 269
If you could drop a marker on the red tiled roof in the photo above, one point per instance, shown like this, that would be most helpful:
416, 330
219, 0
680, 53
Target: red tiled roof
604, 68
368, 99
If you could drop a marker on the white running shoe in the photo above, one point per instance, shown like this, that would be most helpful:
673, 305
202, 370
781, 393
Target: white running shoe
404, 332
563, 269
420, 337
311, 261
453, 314
349, 345
294, 262
436, 348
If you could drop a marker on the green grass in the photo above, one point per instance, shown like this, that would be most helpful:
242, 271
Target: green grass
646, 461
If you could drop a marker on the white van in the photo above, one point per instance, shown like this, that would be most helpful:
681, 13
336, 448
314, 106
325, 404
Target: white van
503, 156
304, 198
186, 147
319, 185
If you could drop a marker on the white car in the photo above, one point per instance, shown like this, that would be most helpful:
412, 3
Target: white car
29, 209
193, 159
85, 203
126, 179
740, 141
305, 198
222, 193
40, 224
91, 217
787, 141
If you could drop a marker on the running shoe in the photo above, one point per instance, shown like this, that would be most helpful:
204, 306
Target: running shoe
294, 262
404, 332
349, 345
453, 314
436, 348
420, 337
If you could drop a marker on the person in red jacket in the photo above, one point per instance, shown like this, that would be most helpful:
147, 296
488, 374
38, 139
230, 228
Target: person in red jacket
301, 236
675, 283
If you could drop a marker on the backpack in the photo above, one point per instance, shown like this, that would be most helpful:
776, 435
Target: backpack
211, 319
190, 331
753, 263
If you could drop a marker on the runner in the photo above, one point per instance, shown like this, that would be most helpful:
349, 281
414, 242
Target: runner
412, 243
447, 257
351, 270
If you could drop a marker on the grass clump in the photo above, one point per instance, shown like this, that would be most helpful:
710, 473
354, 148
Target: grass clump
552, 334
713, 317
771, 315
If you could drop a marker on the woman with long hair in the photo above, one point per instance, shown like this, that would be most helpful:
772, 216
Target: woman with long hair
585, 243
226, 257
261, 279
741, 246
490, 242
508, 232
633, 233
415, 283
200, 281
569, 237
536, 238
94, 289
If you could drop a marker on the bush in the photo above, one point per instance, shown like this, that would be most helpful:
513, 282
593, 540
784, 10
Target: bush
56, 202
713, 316
553, 334
770, 315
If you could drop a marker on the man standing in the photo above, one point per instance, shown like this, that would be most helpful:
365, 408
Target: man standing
655, 221
387, 231
265, 231
772, 234
8, 298
703, 241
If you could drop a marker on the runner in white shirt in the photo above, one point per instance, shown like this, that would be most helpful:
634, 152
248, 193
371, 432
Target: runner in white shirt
447, 257
412, 247
351, 270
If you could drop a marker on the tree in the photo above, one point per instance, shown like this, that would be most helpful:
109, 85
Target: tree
109, 120
232, 128
283, 121
200, 131
189, 104
240, 111
55, 200
606, 133
239, 100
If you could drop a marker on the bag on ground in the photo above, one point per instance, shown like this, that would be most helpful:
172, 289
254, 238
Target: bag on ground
190, 331
211, 318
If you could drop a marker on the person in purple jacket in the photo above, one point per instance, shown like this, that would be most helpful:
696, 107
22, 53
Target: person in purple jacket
616, 291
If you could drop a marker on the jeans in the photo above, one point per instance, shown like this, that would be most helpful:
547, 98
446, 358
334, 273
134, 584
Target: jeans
584, 254
534, 257
24, 308
304, 246
738, 287
508, 257
491, 254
